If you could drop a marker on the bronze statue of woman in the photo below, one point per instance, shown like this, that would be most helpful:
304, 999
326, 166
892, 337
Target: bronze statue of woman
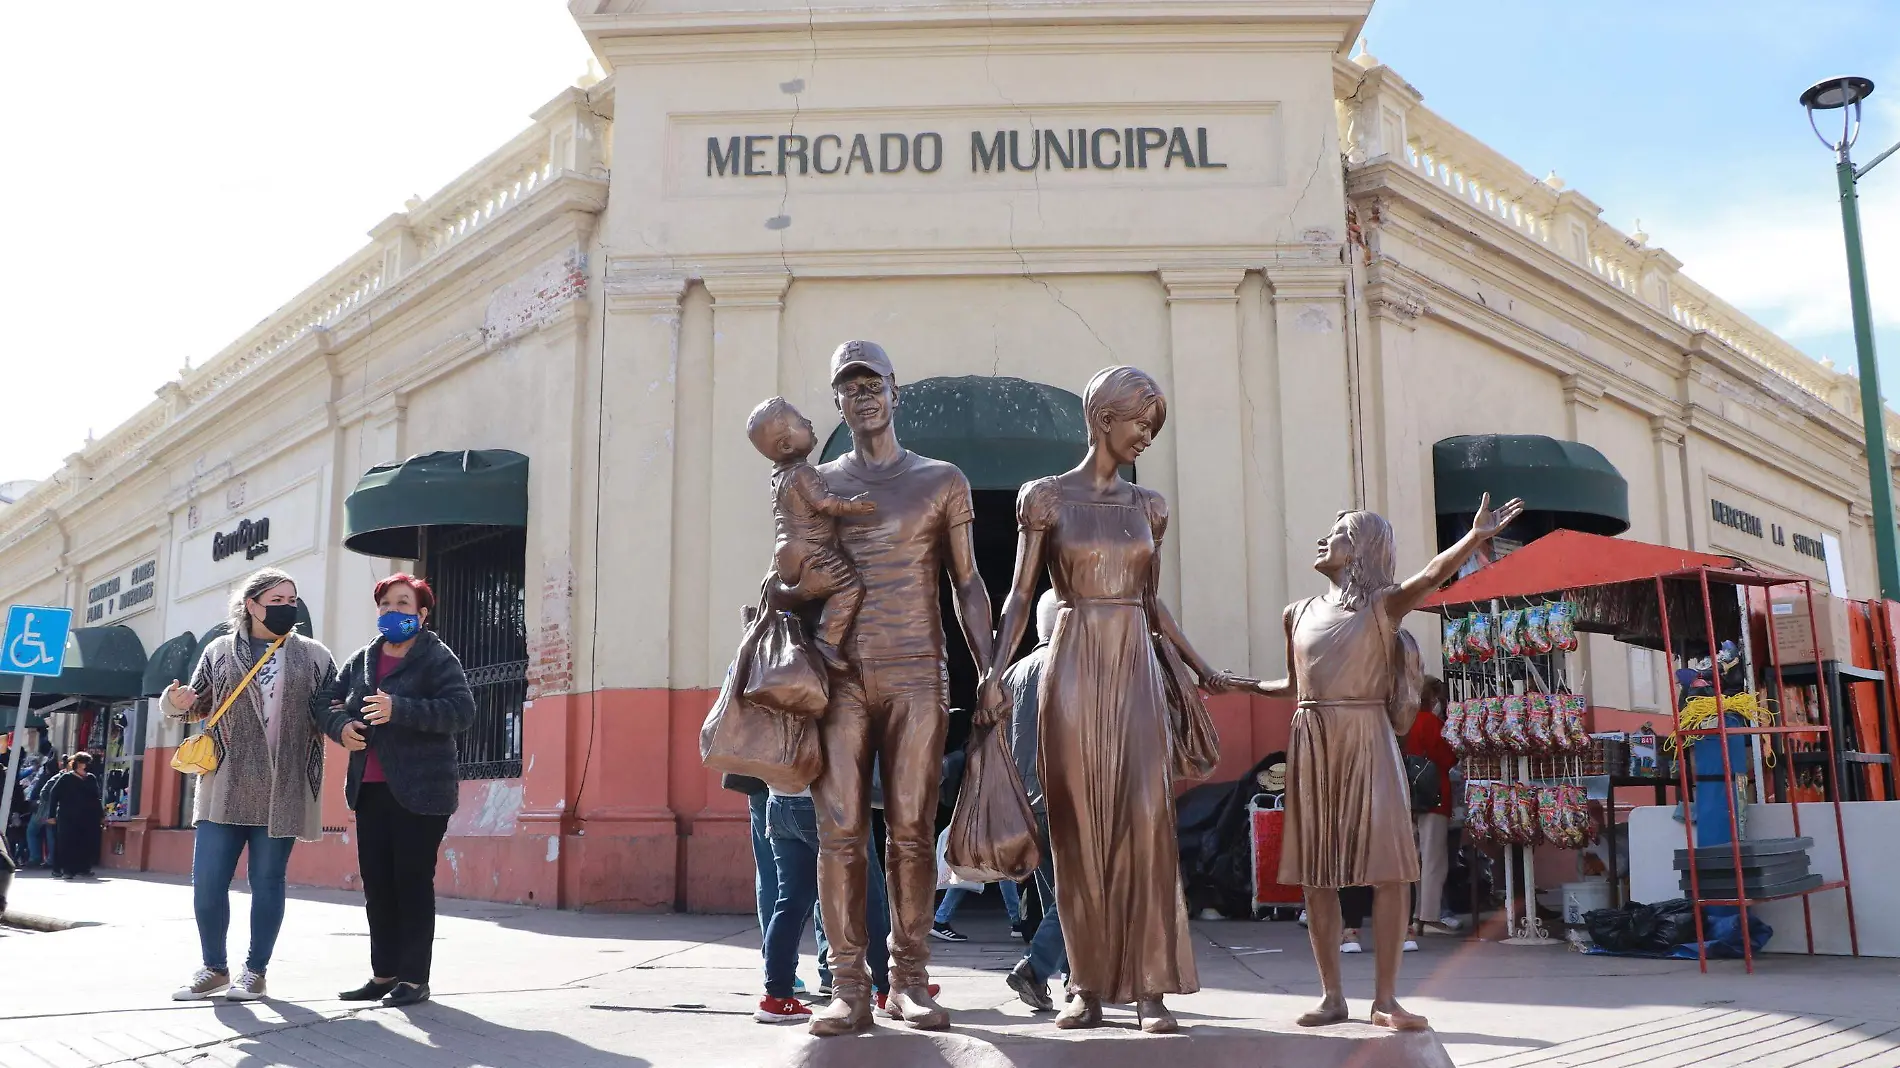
1104, 751
1348, 815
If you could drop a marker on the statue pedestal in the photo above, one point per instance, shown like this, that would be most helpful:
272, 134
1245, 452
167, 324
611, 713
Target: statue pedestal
1223, 1044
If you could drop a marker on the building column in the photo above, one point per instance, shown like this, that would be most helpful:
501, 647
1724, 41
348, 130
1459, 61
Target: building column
1397, 459
1207, 521
1316, 412
745, 359
595, 826
1672, 492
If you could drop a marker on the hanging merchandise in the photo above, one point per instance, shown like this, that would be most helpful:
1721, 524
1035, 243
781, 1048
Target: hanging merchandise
1478, 637
1455, 652
1563, 626
1511, 633
1453, 730
1537, 629
1537, 723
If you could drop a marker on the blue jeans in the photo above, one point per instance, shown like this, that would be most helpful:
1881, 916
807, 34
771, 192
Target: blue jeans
792, 826
39, 841
764, 869
1048, 954
214, 857
953, 899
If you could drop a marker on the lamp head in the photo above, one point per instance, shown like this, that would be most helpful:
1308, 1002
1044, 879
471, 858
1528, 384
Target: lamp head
1837, 93
1842, 94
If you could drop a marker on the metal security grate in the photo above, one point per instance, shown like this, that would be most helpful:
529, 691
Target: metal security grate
478, 576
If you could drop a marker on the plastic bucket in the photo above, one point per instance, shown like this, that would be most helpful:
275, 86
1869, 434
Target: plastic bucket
1585, 897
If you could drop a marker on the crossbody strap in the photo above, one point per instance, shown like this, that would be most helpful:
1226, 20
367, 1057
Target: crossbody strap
228, 701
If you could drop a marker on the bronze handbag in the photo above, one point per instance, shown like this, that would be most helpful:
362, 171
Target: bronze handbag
198, 755
1194, 742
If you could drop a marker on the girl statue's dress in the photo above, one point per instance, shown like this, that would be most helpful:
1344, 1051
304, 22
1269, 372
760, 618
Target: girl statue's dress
1104, 754
1348, 811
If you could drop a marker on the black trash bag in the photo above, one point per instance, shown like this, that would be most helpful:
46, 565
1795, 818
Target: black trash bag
1674, 926
1629, 929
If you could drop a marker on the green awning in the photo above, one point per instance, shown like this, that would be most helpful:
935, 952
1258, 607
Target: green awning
1002, 432
1566, 485
393, 502
107, 663
170, 662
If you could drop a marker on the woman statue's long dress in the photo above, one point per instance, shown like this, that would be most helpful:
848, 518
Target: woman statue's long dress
1104, 753
1348, 813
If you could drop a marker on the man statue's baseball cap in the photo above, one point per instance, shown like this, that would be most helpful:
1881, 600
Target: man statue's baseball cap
868, 355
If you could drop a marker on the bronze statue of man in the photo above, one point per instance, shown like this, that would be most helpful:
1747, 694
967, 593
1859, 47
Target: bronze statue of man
890, 706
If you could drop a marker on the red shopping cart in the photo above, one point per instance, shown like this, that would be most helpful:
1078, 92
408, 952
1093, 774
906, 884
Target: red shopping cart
1266, 820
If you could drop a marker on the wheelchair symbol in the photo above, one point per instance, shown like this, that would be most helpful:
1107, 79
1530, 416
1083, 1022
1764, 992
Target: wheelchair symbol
29, 638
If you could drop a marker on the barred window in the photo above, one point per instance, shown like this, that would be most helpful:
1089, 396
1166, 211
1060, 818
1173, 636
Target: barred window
478, 574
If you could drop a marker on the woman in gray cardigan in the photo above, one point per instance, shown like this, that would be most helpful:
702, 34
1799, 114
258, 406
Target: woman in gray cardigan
263, 794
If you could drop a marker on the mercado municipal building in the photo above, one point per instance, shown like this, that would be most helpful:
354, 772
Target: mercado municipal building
532, 388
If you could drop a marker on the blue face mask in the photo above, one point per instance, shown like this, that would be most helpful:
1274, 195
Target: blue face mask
398, 626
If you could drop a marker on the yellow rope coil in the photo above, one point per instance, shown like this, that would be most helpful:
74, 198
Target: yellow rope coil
1699, 714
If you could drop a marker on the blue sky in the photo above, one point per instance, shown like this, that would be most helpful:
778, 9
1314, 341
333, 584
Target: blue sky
1684, 114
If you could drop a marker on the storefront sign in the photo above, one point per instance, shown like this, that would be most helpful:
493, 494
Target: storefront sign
1749, 523
251, 539
1751, 526
125, 593
774, 155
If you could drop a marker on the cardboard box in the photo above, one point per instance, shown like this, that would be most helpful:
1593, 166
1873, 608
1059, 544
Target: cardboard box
1794, 636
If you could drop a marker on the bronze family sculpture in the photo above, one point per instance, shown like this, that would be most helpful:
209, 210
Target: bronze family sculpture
1355, 675
1108, 733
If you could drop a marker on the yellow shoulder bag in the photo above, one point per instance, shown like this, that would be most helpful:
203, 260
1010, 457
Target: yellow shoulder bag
199, 754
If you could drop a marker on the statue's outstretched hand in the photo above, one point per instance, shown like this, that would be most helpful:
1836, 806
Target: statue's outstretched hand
1487, 523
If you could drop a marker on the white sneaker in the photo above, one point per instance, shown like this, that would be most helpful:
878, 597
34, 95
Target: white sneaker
1350, 947
249, 987
1411, 946
202, 985
1302, 917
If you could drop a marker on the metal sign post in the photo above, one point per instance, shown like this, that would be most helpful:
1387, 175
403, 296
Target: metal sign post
34, 645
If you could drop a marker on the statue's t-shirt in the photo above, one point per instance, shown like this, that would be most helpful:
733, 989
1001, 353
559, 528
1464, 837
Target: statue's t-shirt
899, 549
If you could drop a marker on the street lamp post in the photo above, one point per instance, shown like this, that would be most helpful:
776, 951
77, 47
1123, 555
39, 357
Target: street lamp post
1845, 94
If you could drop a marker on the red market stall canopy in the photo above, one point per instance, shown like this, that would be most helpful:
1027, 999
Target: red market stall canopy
1613, 583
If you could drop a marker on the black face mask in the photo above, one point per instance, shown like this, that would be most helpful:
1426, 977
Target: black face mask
280, 619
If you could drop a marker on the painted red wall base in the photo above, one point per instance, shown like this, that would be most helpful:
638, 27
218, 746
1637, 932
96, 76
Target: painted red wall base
613, 811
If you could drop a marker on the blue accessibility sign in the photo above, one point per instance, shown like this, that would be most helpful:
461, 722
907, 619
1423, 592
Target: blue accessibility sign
35, 640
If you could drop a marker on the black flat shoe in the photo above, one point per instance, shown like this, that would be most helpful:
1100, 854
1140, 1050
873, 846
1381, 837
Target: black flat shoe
370, 991
407, 994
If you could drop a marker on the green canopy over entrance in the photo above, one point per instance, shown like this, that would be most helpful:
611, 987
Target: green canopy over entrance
1566, 485
1002, 432
385, 515
170, 662
107, 663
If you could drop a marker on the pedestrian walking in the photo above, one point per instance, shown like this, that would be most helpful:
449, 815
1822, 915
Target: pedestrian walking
397, 706
253, 688
1432, 824
79, 815
1047, 955
39, 834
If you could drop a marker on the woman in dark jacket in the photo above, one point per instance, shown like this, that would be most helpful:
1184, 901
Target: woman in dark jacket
397, 705
79, 816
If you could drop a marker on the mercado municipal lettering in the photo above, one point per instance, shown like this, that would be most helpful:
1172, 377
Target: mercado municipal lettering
991, 152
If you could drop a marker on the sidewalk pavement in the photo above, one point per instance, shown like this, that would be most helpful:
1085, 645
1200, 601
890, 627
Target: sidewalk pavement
521, 986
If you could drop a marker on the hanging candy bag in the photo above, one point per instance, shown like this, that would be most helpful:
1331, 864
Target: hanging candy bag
1455, 652
1478, 810
1516, 738
1494, 732
1537, 629
1523, 813
1537, 722
1453, 731
1552, 825
1563, 626
1479, 637
1578, 739
1511, 632
1476, 732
